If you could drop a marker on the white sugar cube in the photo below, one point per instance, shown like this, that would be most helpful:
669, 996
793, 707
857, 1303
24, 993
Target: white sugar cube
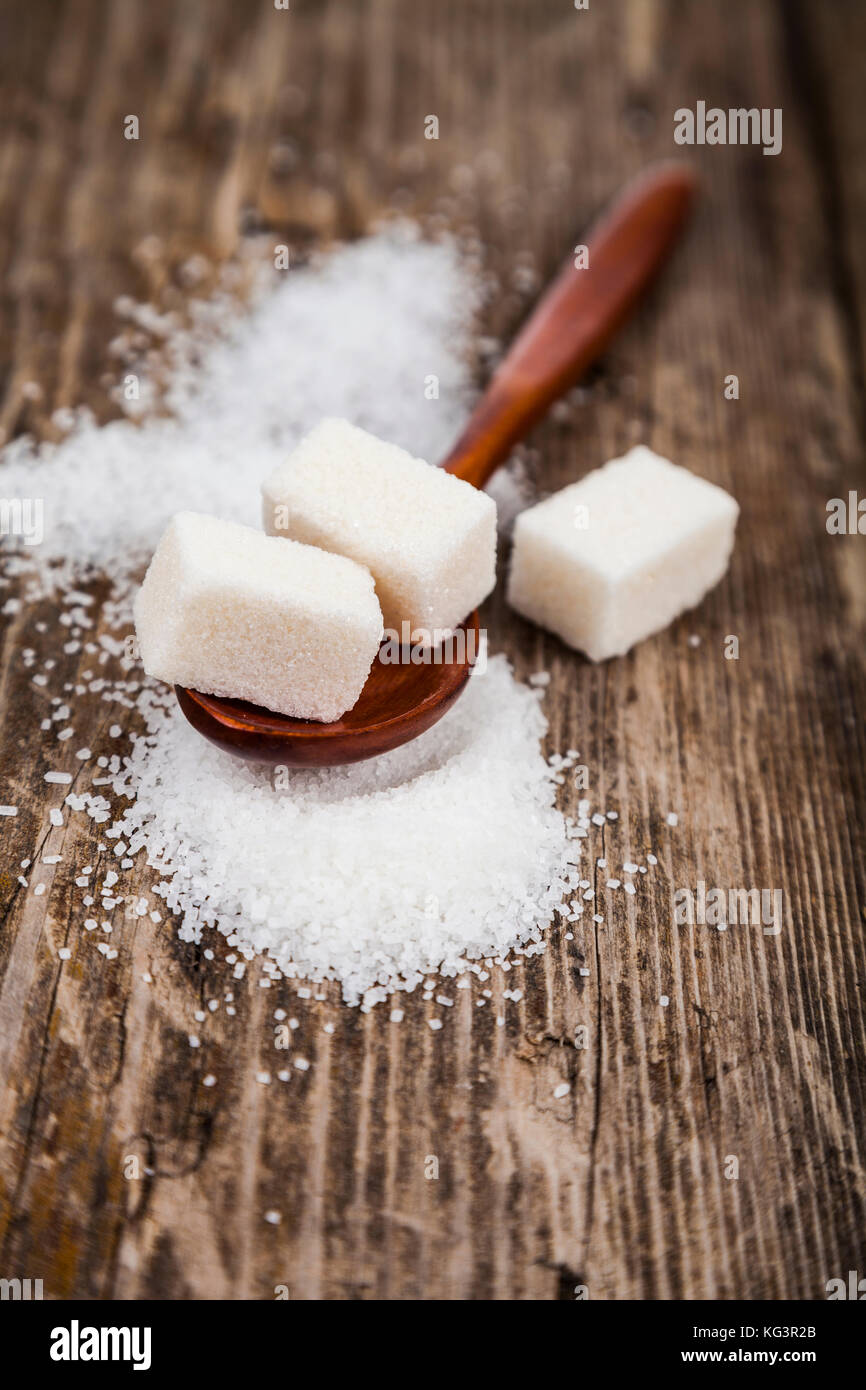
428, 538
228, 611
609, 560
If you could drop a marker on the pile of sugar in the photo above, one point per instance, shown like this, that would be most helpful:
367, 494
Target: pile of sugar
439, 854
359, 334
443, 855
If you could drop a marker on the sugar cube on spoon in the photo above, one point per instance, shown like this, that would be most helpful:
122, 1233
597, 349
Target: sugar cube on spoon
228, 611
428, 538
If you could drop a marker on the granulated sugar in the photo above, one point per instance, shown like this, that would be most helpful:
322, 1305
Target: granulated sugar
357, 335
437, 854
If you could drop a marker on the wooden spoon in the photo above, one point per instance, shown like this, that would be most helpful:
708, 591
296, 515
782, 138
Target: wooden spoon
569, 328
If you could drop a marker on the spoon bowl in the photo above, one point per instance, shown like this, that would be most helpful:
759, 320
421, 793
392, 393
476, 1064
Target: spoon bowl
568, 329
400, 700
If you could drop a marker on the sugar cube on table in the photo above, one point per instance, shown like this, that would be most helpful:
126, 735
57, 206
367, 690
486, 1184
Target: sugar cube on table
428, 538
226, 610
613, 558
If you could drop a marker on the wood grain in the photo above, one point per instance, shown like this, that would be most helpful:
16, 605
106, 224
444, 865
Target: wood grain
619, 1186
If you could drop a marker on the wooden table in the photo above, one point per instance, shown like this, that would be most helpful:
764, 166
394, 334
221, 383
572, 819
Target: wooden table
756, 1065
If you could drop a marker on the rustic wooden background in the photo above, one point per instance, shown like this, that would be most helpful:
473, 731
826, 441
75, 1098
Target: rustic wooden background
621, 1185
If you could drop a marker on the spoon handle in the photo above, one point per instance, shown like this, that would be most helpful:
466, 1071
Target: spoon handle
573, 322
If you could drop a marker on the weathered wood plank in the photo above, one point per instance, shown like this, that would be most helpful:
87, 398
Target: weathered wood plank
759, 1054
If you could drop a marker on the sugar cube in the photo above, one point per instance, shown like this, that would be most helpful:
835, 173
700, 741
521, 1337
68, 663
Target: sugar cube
617, 556
229, 611
428, 538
